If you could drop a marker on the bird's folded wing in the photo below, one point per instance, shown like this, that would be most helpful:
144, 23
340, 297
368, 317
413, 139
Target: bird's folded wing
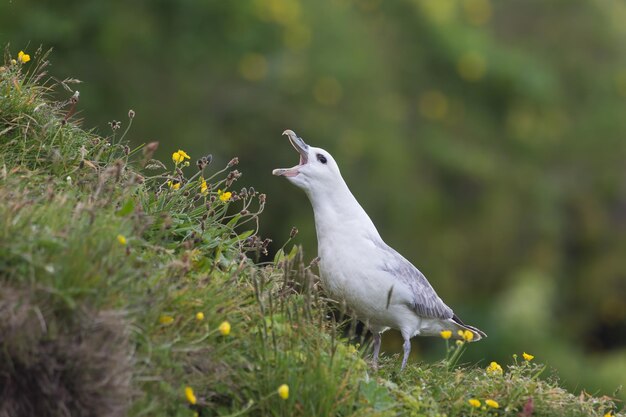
426, 302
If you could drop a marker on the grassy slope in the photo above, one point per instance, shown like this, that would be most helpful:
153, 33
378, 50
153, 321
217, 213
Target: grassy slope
103, 325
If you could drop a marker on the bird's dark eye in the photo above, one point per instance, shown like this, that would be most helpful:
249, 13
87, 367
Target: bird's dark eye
321, 158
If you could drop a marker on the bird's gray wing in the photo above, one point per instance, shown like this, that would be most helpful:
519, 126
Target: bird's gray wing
426, 302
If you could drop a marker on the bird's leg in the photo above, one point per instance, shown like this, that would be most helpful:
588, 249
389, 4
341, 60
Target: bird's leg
407, 349
377, 339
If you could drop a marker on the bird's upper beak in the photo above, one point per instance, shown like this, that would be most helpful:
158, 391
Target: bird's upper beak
303, 150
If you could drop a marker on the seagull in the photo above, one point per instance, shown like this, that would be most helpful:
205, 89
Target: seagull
381, 287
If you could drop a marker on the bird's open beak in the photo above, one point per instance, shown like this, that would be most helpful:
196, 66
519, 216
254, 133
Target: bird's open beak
303, 150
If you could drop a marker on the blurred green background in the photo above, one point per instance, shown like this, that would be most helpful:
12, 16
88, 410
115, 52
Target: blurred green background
486, 139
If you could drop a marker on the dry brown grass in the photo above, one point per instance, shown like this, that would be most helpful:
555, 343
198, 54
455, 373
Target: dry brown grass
48, 368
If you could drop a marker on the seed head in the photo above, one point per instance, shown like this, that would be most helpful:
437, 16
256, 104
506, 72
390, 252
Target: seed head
315, 261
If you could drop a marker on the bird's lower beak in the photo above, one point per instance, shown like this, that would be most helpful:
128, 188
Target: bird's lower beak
303, 150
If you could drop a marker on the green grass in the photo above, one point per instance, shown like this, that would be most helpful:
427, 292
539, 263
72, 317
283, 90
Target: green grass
105, 263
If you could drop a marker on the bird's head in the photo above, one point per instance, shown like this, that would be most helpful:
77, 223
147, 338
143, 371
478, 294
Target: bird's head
317, 170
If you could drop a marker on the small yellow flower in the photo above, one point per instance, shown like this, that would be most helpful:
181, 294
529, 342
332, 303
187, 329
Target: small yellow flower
609, 414
224, 196
468, 335
179, 156
474, 402
200, 316
224, 328
164, 319
494, 369
283, 391
191, 397
492, 403
528, 357
173, 185
121, 239
22, 57
446, 334
203, 187
13, 62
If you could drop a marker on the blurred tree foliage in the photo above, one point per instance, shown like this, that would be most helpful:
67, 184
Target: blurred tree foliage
486, 139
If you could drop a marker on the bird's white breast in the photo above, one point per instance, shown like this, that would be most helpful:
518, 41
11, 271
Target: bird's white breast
352, 265
351, 272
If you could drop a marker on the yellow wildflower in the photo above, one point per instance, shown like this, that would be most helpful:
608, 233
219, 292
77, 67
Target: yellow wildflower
494, 369
492, 403
200, 316
609, 414
204, 188
528, 357
173, 185
179, 156
224, 196
224, 328
474, 402
13, 62
121, 239
164, 319
283, 391
446, 334
468, 335
191, 397
22, 57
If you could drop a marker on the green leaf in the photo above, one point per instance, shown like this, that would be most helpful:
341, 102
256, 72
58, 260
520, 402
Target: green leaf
127, 208
292, 253
376, 395
245, 234
232, 222
280, 254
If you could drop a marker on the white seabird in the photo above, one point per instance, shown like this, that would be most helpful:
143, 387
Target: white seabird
357, 267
